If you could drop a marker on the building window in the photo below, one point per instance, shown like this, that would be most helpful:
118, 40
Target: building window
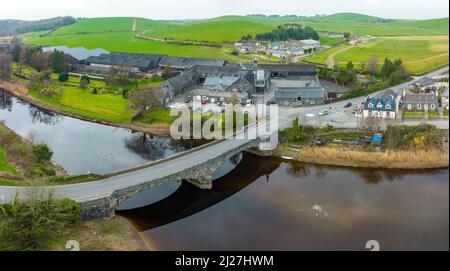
409, 106
432, 106
370, 105
313, 102
388, 106
419, 106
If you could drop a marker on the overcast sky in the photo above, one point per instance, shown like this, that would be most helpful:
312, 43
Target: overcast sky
184, 9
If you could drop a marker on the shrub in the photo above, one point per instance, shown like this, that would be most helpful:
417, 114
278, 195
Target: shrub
63, 77
30, 224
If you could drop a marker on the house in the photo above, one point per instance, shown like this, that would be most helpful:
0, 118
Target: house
131, 62
78, 54
310, 44
278, 53
291, 70
420, 102
184, 63
299, 91
444, 99
384, 106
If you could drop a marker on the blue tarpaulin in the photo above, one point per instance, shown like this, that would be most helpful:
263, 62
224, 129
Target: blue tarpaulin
377, 138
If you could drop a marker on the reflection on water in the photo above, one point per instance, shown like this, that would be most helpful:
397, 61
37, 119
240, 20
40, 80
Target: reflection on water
270, 204
82, 147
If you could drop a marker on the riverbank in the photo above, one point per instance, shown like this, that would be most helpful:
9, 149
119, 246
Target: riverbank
20, 162
20, 90
116, 234
389, 159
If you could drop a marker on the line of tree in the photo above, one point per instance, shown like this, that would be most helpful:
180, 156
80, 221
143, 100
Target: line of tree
15, 27
33, 56
286, 32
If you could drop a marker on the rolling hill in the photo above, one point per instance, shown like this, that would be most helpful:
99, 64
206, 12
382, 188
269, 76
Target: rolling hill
352, 17
227, 28
110, 24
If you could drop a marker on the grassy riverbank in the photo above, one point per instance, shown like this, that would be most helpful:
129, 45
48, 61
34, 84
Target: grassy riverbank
107, 106
393, 159
403, 147
116, 234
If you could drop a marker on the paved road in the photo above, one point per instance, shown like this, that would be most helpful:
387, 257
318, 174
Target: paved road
340, 117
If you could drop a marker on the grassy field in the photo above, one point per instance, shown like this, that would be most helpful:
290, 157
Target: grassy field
110, 24
82, 102
419, 54
228, 28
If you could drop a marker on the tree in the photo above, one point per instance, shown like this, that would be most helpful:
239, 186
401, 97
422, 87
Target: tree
84, 81
63, 77
373, 65
21, 60
167, 70
5, 66
58, 62
234, 99
142, 100
42, 153
41, 83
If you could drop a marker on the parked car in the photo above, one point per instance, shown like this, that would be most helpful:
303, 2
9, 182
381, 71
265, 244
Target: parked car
323, 112
347, 105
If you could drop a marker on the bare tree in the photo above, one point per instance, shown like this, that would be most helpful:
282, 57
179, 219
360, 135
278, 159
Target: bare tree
142, 100
234, 99
21, 62
5, 66
373, 65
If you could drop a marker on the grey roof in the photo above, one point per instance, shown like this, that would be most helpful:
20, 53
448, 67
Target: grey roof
228, 69
141, 61
304, 93
226, 81
294, 68
423, 98
388, 94
425, 81
445, 93
79, 53
187, 62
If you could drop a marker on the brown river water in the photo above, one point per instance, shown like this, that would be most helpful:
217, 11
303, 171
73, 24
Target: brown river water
271, 204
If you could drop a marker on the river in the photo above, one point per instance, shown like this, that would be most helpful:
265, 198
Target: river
262, 204
84, 147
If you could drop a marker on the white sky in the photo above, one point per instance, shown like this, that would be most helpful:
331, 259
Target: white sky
187, 9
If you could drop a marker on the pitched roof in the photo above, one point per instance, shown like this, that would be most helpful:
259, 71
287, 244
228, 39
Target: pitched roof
127, 59
188, 62
422, 98
303, 68
304, 93
383, 104
79, 53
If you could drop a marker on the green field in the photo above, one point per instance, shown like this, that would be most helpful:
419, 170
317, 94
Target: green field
114, 34
112, 24
228, 28
419, 54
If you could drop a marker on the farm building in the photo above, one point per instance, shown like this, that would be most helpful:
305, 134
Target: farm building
184, 63
291, 70
78, 54
212, 81
301, 91
131, 62
384, 106
420, 102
